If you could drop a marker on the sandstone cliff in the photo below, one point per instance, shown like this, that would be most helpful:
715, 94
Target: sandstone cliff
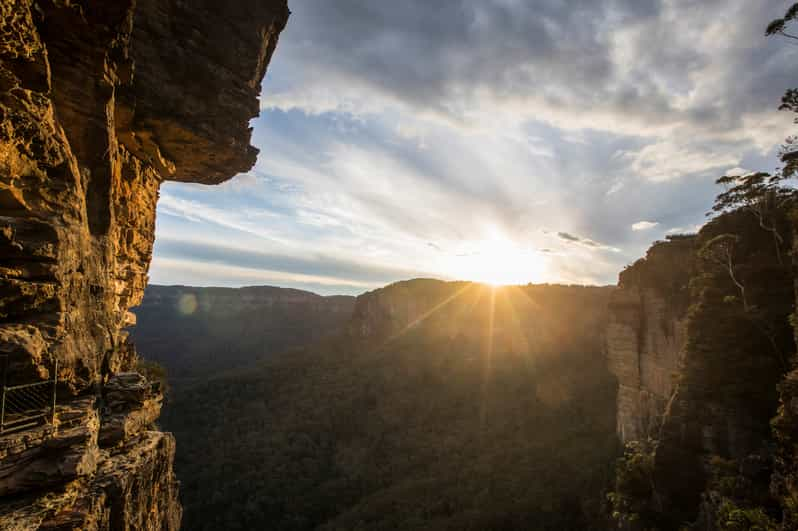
385, 312
99, 103
720, 328
646, 335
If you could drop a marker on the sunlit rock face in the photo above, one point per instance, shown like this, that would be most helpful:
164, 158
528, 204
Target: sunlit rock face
99, 103
646, 335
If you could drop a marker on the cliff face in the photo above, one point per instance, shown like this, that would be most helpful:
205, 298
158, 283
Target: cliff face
646, 335
388, 311
739, 346
717, 456
99, 103
195, 332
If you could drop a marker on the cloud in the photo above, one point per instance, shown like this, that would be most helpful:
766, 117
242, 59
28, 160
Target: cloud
585, 242
667, 160
316, 267
615, 188
393, 130
691, 229
175, 271
737, 171
644, 225
569, 237
574, 65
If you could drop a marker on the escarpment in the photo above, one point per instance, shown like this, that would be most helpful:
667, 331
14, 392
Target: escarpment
717, 318
385, 312
100, 102
646, 334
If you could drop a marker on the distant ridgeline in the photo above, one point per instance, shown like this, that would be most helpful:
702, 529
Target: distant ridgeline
441, 405
195, 332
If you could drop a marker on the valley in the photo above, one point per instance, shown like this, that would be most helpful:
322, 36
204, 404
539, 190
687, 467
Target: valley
440, 405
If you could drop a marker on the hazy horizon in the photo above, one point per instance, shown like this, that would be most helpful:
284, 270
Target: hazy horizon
357, 293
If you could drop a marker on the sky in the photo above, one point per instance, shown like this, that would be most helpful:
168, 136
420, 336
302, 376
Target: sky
506, 141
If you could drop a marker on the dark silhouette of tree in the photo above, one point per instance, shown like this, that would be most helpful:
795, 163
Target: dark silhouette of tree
758, 193
720, 251
779, 26
789, 102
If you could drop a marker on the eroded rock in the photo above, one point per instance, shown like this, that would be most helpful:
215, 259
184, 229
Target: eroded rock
51, 454
131, 404
646, 336
100, 102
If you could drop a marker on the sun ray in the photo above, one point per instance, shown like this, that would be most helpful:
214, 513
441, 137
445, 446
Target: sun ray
518, 332
487, 361
423, 316
523, 292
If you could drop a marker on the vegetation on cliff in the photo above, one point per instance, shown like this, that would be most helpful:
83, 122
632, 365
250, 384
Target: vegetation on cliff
718, 462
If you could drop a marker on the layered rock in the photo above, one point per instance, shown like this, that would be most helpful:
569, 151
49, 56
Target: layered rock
51, 454
133, 488
99, 103
713, 458
131, 403
646, 335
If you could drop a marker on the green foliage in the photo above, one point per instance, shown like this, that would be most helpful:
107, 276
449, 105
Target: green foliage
739, 340
733, 518
757, 191
666, 268
446, 427
633, 495
738, 492
779, 25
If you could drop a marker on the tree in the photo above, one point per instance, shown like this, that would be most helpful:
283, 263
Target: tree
758, 193
779, 26
789, 102
720, 250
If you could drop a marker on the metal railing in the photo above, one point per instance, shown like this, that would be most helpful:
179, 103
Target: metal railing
27, 405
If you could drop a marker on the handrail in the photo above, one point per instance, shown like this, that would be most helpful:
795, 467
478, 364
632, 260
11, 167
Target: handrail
27, 405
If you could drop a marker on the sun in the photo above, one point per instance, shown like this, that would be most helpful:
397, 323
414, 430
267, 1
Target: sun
498, 262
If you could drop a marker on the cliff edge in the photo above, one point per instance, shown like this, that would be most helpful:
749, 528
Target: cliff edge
100, 102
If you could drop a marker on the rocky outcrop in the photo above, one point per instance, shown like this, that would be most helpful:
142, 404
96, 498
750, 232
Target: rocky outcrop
132, 488
646, 335
99, 103
51, 454
131, 404
716, 457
